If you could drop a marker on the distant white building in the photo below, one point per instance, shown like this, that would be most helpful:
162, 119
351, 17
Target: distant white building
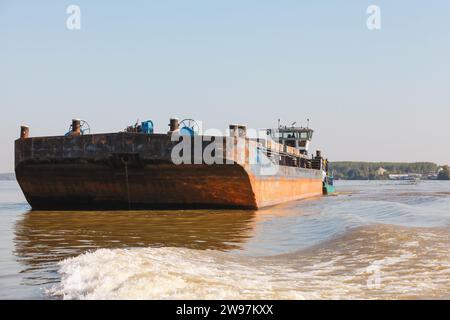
381, 171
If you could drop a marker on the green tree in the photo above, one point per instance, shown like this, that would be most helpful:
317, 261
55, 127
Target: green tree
444, 174
368, 170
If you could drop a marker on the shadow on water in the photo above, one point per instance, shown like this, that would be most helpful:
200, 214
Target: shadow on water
44, 238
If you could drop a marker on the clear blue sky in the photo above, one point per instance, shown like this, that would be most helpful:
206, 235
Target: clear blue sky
370, 95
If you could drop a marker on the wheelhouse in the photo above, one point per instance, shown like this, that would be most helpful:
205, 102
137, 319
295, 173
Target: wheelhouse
296, 137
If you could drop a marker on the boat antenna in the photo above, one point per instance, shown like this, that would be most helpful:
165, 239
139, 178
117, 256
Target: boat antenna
307, 126
279, 125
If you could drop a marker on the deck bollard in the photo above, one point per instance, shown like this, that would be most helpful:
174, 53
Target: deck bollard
24, 132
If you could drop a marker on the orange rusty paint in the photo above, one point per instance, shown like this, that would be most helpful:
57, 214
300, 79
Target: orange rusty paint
272, 191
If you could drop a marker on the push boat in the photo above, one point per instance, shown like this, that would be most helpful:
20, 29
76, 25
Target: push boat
140, 169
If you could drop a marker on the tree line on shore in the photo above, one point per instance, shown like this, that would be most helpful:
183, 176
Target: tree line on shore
348, 170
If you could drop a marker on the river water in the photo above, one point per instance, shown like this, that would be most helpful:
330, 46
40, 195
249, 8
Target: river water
373, 240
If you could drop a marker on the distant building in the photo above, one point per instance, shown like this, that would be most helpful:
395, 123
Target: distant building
381, 171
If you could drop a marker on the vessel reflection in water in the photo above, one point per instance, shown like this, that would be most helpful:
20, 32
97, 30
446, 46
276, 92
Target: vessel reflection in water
44, 238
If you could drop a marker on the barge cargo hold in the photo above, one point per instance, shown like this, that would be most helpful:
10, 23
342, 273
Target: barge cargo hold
135, 170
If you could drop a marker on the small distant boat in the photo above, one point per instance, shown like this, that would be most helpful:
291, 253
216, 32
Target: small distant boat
410, 177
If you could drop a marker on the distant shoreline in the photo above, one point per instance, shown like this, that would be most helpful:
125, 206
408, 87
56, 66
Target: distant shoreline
7, 176
358, 170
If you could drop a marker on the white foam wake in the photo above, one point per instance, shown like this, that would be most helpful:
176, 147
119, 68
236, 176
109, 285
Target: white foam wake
165, 273
411, 263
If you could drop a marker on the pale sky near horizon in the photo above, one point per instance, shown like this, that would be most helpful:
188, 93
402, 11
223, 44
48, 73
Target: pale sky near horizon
371, 95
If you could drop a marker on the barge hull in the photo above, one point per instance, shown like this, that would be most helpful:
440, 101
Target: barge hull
89, 173
161, 186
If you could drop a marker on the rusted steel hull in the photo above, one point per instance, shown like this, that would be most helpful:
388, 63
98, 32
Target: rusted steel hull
89, 173
89, 186
270, 192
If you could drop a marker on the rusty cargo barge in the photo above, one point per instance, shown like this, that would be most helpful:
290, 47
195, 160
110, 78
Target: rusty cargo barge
135, 169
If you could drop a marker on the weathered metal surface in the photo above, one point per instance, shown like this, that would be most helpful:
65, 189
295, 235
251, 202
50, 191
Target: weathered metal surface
24, 132
76, 127
272, 191
174, 124
129, 170
91, 186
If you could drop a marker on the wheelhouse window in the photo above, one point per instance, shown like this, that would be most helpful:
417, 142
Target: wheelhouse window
291, 135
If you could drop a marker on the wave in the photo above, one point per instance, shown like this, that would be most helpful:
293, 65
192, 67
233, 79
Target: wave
380, 261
